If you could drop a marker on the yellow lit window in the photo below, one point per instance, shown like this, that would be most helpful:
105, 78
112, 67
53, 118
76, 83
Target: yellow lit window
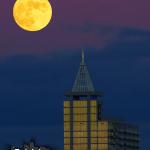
83, 127
94, 126
66, 126
83, 147
102, 125
81, 117
66, 134
81, 110
66, 140
93, 134
80, 127
66, 110
103, 146
94, 110
66, 103
93, 103
93, 140
93, 117
103, 140
66, 147
80, 103
76, 147
83, 140
83, 103
80, 134
66, 117
76, 127
93, 146
76, 104
76, 140
102, 134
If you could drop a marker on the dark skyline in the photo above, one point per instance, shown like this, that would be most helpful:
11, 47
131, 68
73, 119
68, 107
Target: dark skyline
37, 68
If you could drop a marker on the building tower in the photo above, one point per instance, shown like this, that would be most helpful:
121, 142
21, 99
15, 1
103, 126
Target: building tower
84, 127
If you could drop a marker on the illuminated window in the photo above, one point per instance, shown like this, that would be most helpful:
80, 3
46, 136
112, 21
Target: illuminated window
103, 146
93, 140
93, 117
66, 134
66, 147
79, 140
80, 126
80, 134
93, 146
83, 147
102, 134
93, 103
83, 140
66, 140
66, 126
94, 126
66, 117
93, 110
83, 127
66, 110
102, 125
80, 103
78, 110
93, 134
81, 117
76, 147
103, 140
66, 103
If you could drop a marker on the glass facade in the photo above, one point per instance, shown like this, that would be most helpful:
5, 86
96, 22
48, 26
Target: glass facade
84, 131
80, 125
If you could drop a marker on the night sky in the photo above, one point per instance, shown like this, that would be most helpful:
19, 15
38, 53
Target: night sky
36, 68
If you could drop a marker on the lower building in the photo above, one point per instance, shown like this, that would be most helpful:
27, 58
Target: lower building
31, 146
117, 135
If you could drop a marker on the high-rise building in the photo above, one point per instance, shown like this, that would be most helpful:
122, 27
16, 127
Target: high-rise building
84, 127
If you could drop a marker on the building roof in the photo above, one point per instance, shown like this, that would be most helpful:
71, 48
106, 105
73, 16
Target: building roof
83, 82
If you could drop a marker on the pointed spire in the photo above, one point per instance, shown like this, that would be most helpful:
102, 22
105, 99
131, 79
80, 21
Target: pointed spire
83, 82
82, 56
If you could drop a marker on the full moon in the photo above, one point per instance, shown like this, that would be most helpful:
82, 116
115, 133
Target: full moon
32, 15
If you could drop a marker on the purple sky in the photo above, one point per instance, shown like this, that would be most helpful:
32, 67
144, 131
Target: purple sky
75, 24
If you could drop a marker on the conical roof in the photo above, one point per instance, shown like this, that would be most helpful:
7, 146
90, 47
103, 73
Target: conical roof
83, 82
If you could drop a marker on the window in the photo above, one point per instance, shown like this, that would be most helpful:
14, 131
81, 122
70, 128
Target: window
66, 103
66, 140
103, 146
66, 134
80, 103
102, 134
81, 117
93, 140
93, 103
94, 126
66, 110
102, 140
93, 110
93, 117
66, 147
66, 126
93, 146
102, 125
66, 117
80, 134
80, 110
93, 134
